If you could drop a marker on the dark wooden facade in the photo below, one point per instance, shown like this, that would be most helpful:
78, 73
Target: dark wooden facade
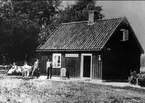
121, 57
106, 57
73, 64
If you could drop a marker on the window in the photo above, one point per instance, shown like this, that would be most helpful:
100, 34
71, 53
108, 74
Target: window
125, 35
56, 60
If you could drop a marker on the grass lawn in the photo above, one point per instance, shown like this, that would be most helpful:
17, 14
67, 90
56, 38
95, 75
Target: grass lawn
17, 90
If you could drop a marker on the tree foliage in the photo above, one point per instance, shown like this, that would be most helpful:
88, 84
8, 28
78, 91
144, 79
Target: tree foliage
20, 24
24, 24
79, 11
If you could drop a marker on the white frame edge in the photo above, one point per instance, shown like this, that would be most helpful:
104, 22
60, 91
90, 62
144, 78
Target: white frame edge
82, 59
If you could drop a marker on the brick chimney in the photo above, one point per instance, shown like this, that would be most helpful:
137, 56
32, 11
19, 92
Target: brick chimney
91, 17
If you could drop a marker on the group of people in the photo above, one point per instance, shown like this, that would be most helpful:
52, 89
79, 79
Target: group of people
35, 68
25, 70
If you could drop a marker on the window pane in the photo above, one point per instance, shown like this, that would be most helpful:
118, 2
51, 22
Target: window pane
56, 61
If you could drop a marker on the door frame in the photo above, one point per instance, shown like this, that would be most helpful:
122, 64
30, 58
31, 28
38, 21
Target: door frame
82, 63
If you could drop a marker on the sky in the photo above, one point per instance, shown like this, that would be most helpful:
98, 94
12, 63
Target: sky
133, 10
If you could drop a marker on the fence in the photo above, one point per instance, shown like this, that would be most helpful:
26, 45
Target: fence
4, 69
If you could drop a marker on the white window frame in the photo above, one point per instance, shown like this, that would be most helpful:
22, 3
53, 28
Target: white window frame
125, 35
82, 63
55, 57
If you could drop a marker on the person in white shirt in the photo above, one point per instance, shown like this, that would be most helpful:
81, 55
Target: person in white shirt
35, 66
49, 69
14, 66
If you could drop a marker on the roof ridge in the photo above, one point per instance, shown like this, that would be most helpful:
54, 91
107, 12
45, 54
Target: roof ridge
112, 18
74, 22
122, 17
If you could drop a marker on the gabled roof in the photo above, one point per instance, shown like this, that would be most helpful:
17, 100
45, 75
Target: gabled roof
79, 36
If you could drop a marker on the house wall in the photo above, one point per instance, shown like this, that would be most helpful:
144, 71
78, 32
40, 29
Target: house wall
42, 62
96, 66
73, 64
121, 57
56, 71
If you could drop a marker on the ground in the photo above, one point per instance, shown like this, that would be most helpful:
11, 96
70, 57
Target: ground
22, 90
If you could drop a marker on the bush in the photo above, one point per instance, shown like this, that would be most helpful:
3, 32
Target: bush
141, 79
137, 77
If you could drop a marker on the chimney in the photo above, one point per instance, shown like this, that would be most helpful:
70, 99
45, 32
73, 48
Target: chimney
91, 17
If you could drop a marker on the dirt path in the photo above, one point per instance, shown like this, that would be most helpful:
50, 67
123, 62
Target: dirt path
14, 90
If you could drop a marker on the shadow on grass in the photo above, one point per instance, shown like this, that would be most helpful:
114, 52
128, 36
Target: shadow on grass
17, 77
116, 80
140, 90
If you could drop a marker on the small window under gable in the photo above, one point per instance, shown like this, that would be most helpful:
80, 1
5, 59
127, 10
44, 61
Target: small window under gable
125, 35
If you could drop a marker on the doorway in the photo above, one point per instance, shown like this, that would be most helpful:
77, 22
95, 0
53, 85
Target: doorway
86, 65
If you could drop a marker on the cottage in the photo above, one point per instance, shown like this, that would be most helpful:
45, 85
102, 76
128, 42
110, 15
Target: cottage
104, 49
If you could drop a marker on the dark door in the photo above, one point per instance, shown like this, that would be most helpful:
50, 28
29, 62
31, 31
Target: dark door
42, 64
86, 66
72, 64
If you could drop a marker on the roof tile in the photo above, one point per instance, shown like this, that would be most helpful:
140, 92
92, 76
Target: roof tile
81, 36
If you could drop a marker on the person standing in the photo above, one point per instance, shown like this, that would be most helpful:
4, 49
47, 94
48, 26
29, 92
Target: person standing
49, 69
35, 66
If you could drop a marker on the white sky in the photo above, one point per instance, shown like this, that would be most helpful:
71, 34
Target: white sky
133, 10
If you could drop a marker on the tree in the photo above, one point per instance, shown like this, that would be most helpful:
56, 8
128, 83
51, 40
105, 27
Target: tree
24, 24
20, 26
79, 11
